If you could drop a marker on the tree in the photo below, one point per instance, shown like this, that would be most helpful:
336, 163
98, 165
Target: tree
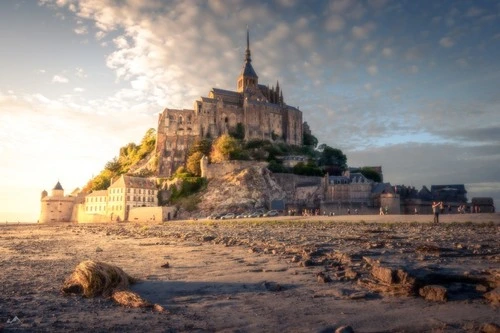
309, 140
239, 132
193, 163
224, 148
331, 157
203, 146
370, 173
114, 165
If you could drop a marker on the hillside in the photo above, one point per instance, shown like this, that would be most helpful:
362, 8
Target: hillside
240, 191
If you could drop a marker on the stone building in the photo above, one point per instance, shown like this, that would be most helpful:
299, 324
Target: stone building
128, 192
57, 207
255, 111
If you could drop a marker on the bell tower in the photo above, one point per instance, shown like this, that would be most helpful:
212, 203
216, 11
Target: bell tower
248, 77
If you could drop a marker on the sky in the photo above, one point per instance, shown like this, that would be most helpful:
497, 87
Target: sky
413, 86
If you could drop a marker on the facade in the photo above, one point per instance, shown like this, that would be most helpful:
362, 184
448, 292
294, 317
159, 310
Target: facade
97, 202
254, 110
128, 192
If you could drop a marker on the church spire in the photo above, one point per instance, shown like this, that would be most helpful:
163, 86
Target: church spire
247, 77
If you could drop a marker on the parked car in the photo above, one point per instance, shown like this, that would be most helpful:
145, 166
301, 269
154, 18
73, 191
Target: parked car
271, 213
216, 216
228, 216
243, 215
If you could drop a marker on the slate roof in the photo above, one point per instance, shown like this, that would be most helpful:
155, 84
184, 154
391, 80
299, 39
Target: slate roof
218, 91
134, 182
58, 186
101, 193
248, 70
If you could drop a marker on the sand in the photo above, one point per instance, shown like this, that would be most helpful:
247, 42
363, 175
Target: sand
257, 275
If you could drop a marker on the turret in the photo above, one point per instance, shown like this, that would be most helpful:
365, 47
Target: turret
58, 190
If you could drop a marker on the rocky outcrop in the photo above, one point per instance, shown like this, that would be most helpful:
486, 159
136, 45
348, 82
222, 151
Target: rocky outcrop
239, 191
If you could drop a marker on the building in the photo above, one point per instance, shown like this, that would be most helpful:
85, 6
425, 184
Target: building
97, 202
114, 204
128, 192
57, 207
252, 111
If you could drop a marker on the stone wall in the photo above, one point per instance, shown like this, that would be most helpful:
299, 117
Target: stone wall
391, 202
56, 209
81, 216
152, 214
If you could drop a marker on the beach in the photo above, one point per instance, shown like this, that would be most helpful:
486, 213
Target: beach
289, 274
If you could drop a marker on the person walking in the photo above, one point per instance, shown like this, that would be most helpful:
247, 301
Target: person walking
436, 209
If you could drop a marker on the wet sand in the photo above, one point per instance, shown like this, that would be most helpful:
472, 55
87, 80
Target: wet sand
289, 274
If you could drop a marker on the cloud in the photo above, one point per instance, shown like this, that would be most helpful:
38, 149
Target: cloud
59, 79
387, 52
446, 42
80, 72
473, 12
334, 23
362, 32
81, 30
372, 69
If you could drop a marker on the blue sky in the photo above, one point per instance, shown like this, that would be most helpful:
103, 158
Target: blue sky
409, 85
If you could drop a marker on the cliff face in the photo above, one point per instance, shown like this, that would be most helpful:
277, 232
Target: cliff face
240, 191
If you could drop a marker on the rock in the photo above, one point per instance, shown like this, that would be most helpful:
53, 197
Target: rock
165, 265
481, 288
307, 263
208, 238
434, 293
296, 258
493, 296
350, 274
272, 286
490, 328
323, 278
344, 329
98, 249
357, 295
383, 274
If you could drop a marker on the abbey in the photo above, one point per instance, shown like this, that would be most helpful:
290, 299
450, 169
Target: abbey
253, 110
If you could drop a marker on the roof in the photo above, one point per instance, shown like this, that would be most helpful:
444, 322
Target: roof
338, 180
101, 193
218, 91
58, 186
208, 99
358, 177
383, 188
134, 182
460, 188
248, 70
482, 201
